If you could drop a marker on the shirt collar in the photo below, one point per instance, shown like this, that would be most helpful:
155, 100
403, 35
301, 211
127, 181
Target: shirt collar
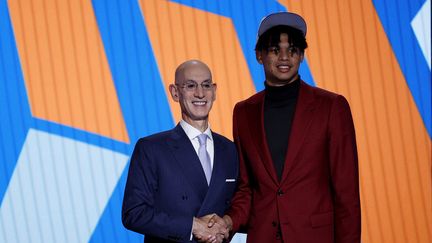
192, 132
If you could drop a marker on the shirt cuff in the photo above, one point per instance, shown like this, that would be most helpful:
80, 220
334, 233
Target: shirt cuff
191, 235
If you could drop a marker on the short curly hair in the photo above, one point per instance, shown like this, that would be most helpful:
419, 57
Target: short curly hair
271, 38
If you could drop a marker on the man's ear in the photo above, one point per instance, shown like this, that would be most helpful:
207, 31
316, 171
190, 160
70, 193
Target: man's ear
258, 56
214, 96
174, 92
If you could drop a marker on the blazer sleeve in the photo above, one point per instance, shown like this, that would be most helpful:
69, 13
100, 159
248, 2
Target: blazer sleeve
139, 211
241, 202
344, 173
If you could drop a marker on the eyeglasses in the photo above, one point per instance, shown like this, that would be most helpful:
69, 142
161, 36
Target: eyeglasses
192, 86
292, 50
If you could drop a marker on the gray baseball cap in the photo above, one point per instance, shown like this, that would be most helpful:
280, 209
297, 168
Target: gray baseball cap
282, 18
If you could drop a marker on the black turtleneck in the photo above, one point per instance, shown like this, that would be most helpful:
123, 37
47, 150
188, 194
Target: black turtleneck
279, 108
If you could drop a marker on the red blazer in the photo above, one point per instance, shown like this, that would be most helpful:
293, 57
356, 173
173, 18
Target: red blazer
317, 199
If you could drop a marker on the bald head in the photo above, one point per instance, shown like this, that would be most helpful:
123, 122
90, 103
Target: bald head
188, 66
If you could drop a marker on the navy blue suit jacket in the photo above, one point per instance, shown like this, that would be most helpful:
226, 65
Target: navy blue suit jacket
166, 185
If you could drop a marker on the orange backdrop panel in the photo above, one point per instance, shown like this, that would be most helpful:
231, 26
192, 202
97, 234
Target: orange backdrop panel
349, 53
179, 33
65, 68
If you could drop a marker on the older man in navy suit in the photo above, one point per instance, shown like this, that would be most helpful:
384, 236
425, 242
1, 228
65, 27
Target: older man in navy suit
179, 179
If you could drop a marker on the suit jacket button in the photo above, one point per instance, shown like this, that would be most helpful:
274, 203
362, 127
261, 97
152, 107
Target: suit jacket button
274, 224
278, 235
280, 192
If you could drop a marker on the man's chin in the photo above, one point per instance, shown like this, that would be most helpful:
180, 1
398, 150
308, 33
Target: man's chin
202, 118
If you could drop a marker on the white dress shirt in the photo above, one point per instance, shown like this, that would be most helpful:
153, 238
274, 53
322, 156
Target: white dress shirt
192, 133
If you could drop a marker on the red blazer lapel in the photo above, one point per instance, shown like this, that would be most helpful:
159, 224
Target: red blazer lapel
299, 129
255, 116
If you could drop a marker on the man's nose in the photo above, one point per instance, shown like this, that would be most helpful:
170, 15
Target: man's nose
199, 92
283, 54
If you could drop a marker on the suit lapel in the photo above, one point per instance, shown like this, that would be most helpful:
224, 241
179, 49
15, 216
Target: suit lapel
218, 173
302, 120
255, 115
218, 162
188, 161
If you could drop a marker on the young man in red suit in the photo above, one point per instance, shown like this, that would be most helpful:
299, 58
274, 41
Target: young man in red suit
298, 158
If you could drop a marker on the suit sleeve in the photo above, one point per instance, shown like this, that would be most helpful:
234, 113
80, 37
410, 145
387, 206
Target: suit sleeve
241, 202
139, 211
344, 173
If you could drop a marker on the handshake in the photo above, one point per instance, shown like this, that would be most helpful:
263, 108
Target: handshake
212, 228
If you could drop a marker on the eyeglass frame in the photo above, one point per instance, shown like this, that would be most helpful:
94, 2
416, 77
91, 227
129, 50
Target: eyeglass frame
195, 85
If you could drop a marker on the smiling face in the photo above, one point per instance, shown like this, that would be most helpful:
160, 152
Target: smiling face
195, 92
281, 63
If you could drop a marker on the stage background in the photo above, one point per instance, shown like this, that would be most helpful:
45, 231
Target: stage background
81, 81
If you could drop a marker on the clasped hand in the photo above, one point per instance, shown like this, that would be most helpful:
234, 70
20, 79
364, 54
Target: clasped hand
210, 229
